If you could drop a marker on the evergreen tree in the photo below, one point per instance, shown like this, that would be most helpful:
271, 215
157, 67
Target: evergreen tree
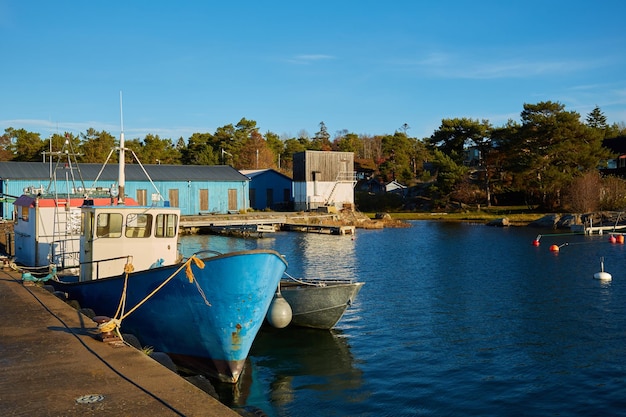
95, 146
596, 119
321, 140
25, 146
552, 147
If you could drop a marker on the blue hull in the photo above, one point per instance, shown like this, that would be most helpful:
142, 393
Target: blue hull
213, 338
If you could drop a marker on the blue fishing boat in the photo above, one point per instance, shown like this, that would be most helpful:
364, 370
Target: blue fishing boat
205, 323
121, 260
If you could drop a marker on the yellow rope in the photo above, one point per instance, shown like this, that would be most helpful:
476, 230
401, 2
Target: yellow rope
109, 326
116, 322
199, 263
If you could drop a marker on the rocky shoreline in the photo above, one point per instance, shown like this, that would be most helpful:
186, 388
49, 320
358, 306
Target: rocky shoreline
569, 220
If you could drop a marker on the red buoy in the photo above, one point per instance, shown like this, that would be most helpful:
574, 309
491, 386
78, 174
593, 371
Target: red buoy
612, 239
535, 242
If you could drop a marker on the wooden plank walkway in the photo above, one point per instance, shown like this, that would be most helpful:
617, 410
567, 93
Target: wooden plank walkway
260, 223
319, 228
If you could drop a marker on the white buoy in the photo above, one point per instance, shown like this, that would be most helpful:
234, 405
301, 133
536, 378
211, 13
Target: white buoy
279, 313
605, 276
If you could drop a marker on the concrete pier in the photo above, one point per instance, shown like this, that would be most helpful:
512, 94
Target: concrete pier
53, 365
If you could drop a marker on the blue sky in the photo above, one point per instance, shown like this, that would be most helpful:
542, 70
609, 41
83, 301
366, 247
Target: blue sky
364, 66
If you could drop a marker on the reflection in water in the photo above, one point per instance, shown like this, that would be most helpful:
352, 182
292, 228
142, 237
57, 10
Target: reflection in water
309, 255
284, 361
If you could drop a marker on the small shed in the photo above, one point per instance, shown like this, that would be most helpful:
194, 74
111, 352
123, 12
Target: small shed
371, 185
396, 188
323, 179
269, 189
195, 189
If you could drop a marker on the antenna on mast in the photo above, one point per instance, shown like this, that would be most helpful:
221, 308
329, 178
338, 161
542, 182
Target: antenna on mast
121, 175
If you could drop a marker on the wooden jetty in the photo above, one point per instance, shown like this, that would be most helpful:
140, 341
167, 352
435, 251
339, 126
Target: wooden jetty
258, 224
319, 228
232, 224
590, 230
605, 222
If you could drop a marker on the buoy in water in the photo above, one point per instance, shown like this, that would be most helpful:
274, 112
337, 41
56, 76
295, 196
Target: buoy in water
279, 313
612, 239
554, 248
605, 276
536, 241
620, 239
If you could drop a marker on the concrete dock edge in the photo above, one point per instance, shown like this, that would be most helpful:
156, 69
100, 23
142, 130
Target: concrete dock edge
52, 365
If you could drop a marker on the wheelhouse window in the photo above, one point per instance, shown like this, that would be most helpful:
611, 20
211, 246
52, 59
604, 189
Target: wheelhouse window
109, 225
166, 225
24, 213
138, 225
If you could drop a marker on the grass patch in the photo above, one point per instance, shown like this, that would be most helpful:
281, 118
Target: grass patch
516, 215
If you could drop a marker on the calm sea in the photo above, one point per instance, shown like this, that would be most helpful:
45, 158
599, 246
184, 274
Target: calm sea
453, 320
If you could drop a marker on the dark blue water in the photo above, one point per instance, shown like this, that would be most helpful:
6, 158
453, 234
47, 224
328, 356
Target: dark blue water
454, 320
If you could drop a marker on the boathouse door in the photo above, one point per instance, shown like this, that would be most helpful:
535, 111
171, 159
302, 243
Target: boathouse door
232, 199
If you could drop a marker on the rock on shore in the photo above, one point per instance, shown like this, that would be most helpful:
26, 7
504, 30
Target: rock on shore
557, 221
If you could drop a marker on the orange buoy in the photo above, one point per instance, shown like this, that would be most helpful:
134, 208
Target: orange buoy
554, 248
620, 239
612, 239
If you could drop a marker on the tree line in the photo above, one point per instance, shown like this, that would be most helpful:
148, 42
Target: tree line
549, 158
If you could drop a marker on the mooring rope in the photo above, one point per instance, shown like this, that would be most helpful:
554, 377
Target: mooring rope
324, 309
27, 275
116, 322
299, 281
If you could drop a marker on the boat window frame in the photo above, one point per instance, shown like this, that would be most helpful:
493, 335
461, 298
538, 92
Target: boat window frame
138, 225
107, 226
165, 225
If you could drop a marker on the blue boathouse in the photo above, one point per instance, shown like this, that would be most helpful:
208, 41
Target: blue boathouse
269, 189
195, 189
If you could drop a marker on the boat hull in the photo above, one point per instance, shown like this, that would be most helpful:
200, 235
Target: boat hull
319, 307
207, 325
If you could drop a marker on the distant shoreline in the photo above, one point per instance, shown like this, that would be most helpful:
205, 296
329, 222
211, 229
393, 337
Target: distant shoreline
515, 219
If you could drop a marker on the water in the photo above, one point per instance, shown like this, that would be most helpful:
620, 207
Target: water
454, 320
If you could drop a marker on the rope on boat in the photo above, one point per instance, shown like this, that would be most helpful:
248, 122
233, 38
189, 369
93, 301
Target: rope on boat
303, 282
324, 309
116, 322
319, 282
27, 272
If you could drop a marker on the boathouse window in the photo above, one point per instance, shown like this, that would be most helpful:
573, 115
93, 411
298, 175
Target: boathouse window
232, 199
204, 199
173, 195
109, 225
142, 197
269, 196
138, 225
166, 225
252, 197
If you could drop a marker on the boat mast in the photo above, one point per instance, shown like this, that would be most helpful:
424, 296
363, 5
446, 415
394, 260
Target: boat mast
121, 176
